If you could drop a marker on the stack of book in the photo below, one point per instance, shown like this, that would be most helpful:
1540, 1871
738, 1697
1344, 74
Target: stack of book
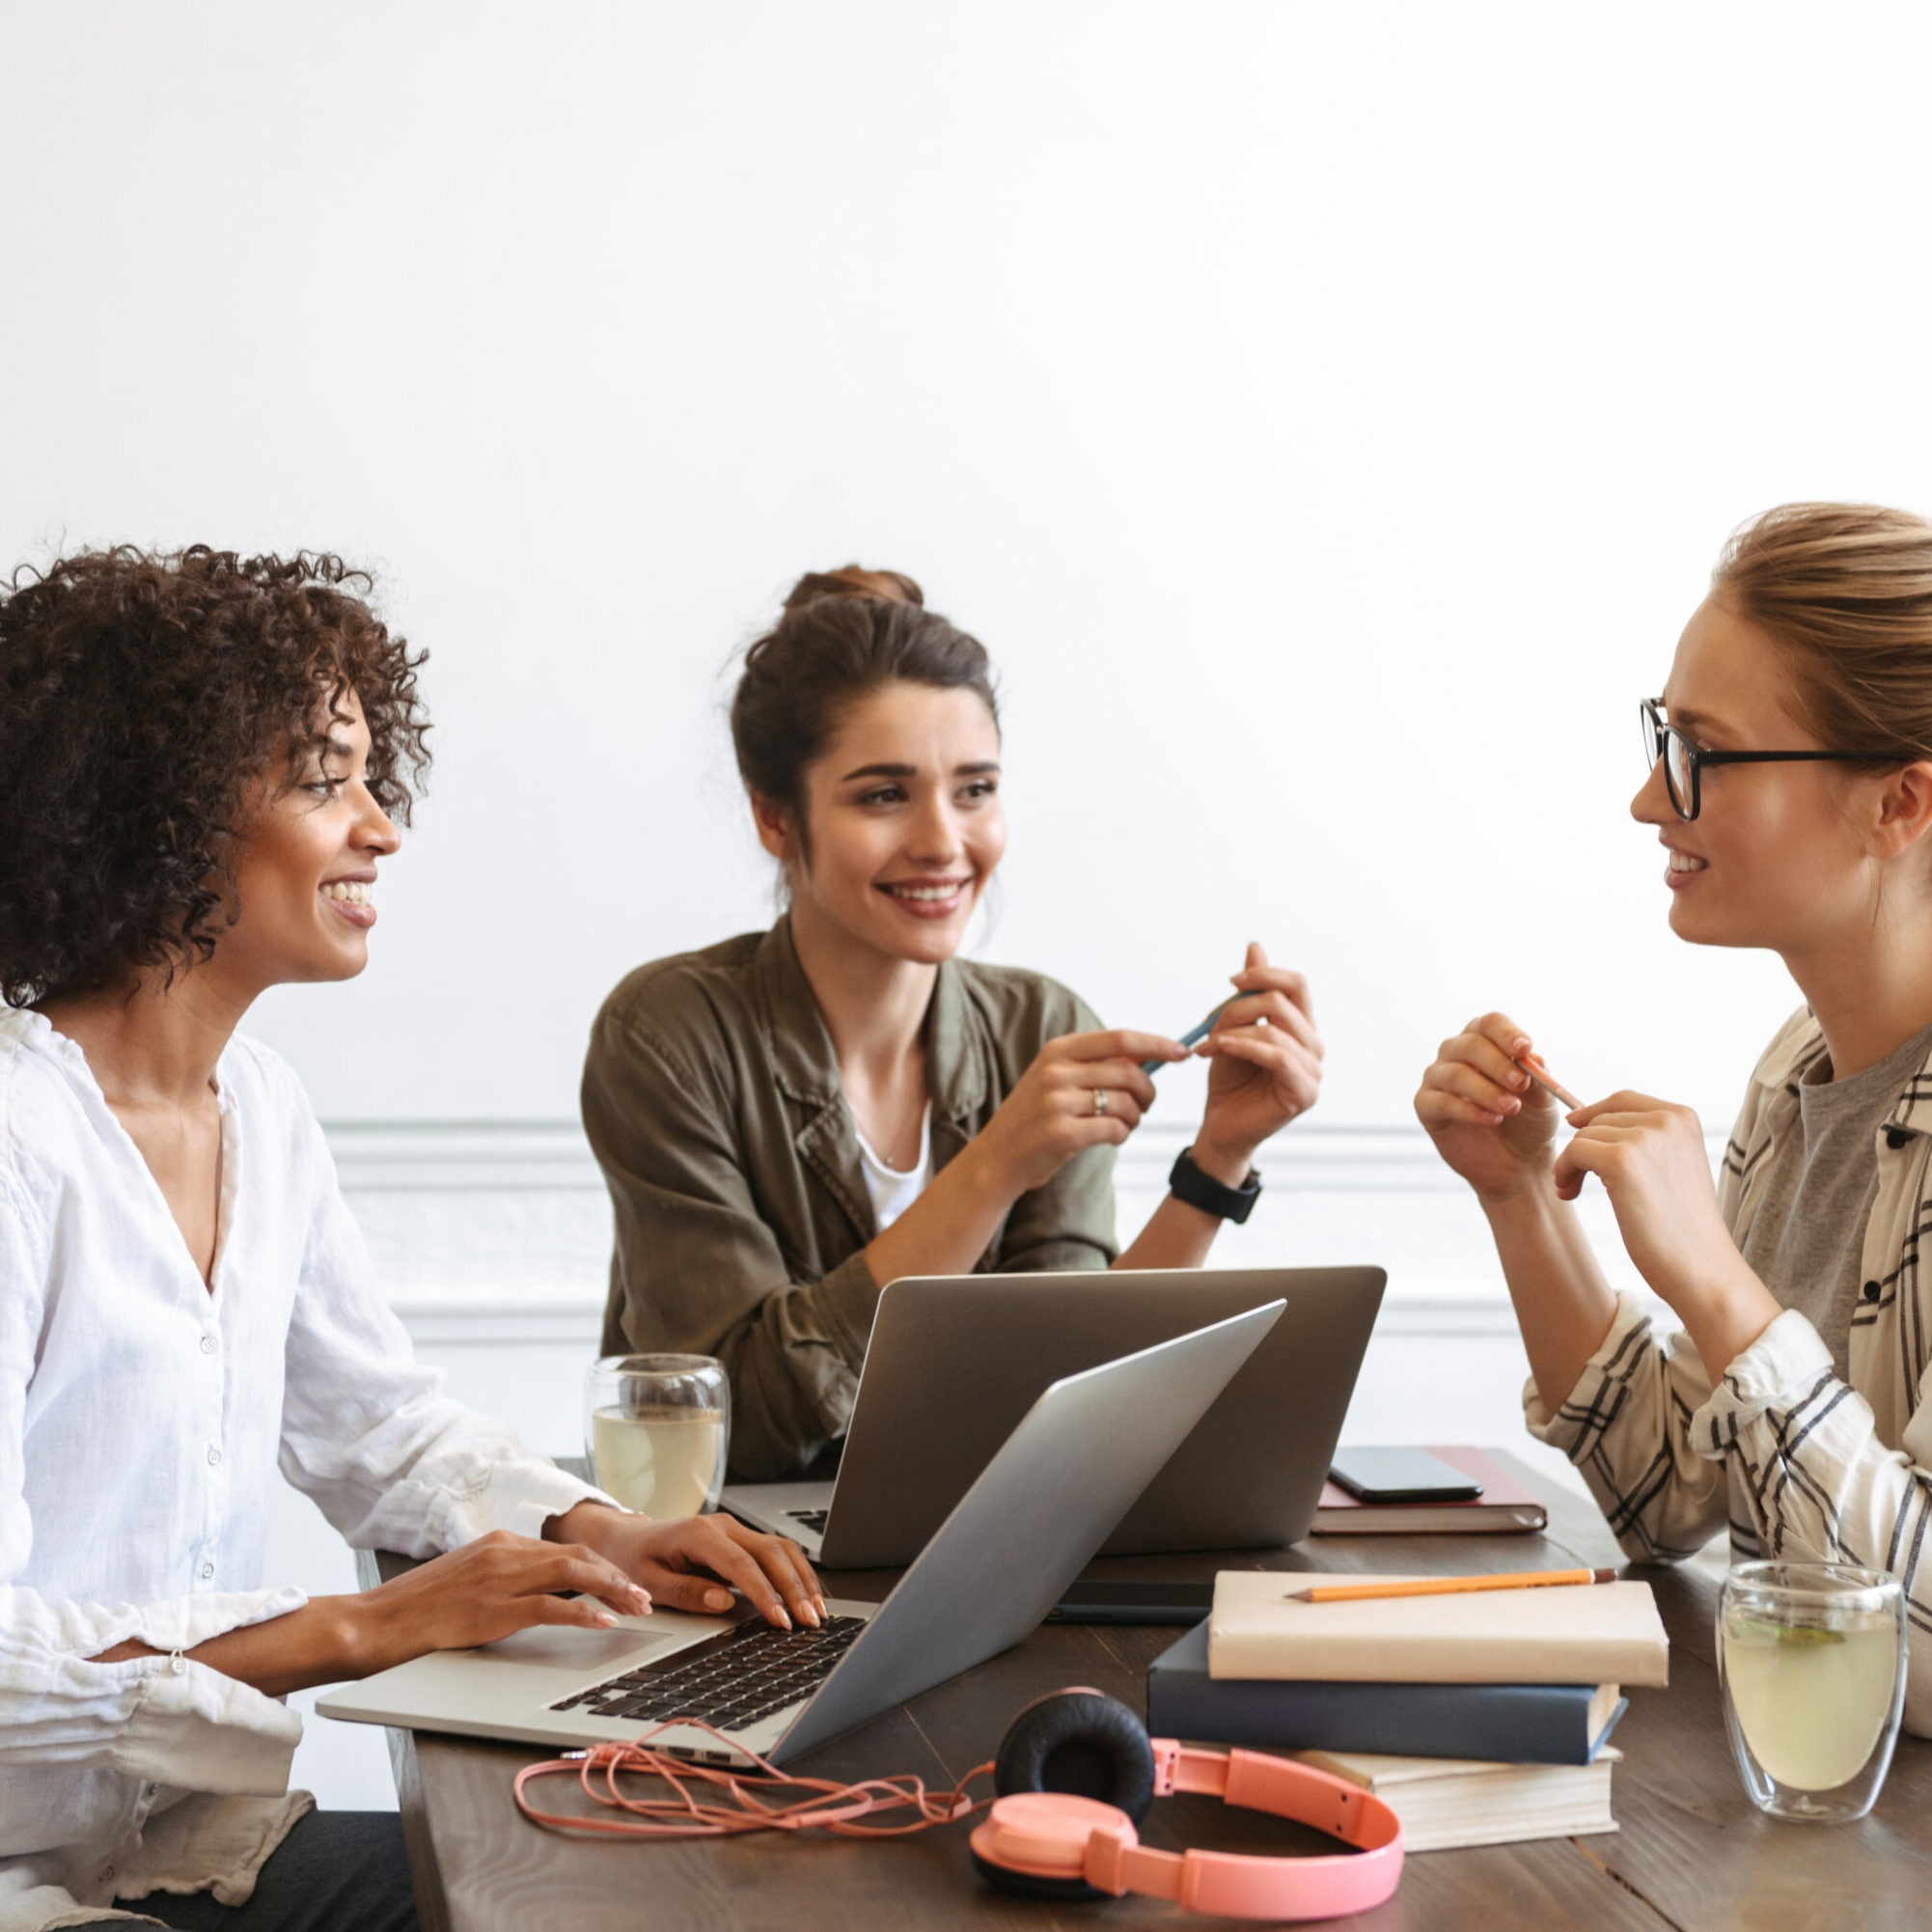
1481, 1717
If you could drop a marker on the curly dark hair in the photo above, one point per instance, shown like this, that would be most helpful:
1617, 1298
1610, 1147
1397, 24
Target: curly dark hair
142, 696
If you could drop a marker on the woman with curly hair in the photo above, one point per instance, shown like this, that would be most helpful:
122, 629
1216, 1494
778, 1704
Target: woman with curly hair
202, 762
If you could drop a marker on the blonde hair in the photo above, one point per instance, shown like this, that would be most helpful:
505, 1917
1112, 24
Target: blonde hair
1846, 590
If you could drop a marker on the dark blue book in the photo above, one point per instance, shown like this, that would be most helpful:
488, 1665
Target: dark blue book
1518, 1724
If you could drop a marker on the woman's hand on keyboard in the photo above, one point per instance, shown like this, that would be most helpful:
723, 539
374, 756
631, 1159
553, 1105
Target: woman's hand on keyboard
684, 1561
486, 1591
489, 1589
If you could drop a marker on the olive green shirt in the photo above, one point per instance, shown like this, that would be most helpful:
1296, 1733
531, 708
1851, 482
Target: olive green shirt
713, 1103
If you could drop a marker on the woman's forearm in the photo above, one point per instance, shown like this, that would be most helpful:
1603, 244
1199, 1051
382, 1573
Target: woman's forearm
1178, 1235
324, 1643
1564, 1306
950, 1226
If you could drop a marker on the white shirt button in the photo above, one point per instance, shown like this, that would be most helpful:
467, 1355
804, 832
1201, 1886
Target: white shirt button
209, 1344
213, 1456
207, 1570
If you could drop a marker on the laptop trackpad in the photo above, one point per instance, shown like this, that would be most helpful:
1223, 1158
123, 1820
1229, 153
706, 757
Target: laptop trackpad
563, 1646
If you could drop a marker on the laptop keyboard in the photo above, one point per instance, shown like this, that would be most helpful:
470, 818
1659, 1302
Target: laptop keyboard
729, 1680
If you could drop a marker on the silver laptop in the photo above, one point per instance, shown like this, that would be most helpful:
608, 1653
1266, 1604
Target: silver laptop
955, 1360
999, 1561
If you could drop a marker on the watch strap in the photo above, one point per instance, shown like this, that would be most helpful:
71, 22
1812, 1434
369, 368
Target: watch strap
1186, 1182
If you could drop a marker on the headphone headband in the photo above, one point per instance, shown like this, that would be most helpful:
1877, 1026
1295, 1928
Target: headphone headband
1057, 1843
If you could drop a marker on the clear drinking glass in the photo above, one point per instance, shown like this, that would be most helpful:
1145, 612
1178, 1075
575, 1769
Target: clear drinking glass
1811, 1657
656, 1428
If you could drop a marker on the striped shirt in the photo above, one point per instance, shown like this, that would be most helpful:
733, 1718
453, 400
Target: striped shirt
1798, 1463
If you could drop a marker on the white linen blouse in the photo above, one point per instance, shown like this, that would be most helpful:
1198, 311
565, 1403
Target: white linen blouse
141, 1420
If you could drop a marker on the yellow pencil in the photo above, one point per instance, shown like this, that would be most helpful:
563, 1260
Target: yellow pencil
1450, 1585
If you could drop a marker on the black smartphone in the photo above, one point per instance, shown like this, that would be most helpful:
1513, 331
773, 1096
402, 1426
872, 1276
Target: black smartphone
1401, 1476
1089, 1602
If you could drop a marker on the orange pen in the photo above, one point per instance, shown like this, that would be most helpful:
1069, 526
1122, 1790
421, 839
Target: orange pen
1532, 1063
1450, 1585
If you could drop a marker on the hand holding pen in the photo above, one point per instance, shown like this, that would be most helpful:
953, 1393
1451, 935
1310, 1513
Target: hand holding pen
1493, 1108
1266, 1057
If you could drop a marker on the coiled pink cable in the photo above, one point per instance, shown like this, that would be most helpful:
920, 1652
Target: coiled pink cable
823, 1805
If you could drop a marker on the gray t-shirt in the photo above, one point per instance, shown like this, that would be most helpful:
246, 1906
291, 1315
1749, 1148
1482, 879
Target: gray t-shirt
1807, 1240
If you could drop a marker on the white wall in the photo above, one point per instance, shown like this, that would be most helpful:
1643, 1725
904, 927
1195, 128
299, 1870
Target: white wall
1328, 417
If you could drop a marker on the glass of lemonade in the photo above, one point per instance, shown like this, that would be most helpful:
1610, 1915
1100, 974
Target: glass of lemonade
656, 1428
1811, 1657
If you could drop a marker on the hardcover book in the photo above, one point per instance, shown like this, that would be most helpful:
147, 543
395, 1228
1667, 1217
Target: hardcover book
1543, 1723
1578, 1633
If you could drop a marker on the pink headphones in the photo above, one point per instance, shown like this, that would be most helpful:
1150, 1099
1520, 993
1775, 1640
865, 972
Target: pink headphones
1076, 1774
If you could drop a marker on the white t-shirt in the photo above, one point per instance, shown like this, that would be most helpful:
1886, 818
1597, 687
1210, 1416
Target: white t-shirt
894, 1191
142, 1419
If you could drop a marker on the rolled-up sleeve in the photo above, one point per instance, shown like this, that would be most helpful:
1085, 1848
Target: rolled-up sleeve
164, 1717
367, 1431
697, 1267
1808, 1464
1626, 1426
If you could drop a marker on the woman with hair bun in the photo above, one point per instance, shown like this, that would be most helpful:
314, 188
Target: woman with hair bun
1791, 786
202, 761
790, 1120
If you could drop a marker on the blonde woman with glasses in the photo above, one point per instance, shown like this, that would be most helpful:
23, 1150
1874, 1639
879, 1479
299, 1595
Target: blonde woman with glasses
1790, 784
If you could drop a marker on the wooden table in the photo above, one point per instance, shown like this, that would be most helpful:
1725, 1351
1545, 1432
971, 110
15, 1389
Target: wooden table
1691, 1853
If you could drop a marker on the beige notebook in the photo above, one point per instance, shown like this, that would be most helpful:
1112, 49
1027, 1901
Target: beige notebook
1585, 1634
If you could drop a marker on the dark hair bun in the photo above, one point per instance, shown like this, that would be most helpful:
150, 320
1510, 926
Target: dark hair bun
842, 633
853, 580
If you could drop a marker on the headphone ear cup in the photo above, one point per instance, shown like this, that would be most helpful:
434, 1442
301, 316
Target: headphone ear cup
1029, 1885
1082, 1742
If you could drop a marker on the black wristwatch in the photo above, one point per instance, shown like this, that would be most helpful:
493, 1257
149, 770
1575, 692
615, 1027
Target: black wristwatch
1186, 1182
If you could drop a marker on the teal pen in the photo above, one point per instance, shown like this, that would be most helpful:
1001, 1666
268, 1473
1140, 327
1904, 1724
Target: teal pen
1194, 1037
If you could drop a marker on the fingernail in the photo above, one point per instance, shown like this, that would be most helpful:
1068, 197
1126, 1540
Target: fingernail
717, 1599
781, 1617
605, 1619
820, 1602
1517, 1045
1520, 1080
810, 1615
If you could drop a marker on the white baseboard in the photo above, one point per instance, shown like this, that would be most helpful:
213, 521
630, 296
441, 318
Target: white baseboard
498, 1232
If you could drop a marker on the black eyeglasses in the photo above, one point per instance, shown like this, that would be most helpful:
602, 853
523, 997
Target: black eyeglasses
1683, 760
